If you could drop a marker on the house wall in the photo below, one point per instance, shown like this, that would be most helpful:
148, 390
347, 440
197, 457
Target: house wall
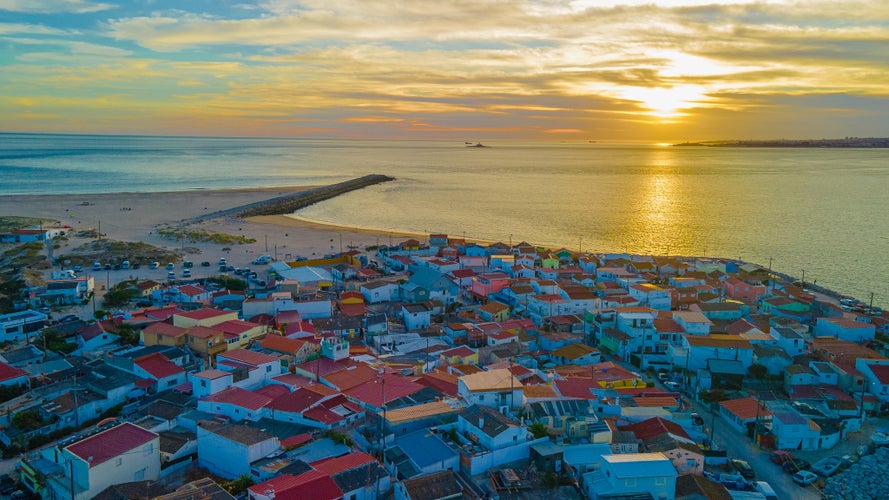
478, 464
141, 463
227, 458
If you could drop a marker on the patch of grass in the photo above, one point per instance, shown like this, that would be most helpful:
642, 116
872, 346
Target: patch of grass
202, 236
11, 222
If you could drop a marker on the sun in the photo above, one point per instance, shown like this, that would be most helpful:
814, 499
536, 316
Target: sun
665, 102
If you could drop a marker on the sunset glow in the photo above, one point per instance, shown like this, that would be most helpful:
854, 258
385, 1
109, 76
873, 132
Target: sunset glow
480, 69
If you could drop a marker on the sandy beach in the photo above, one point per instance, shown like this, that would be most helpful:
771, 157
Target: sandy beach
134, 217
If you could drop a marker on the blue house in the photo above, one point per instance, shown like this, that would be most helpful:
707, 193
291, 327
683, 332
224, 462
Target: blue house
418, 453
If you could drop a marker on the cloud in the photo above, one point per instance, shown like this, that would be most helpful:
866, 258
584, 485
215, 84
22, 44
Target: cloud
53, 6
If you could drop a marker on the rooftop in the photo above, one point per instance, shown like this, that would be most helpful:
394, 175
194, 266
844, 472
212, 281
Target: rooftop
100, 448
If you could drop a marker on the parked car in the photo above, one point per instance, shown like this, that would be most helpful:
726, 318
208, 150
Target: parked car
97, 266
205, 263
780, 456
672, 386
170, 266
796, 465
171, 275
743, 467
805, 478
186, 273
154, 265
827, 466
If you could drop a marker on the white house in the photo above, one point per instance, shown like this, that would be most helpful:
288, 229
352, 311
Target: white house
789, 340
497, 388
651, 295
845, 329
228, 450
261, 368
416, 316
18, 325
632, 474
490, 428
211, 381
876, 374
717, 346
121, 454
694, 323
793, 431
375, 292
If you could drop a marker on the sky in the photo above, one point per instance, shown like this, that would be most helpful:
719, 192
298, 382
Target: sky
560, 70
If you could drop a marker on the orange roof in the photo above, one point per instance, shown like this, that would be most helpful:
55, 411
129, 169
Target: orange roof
248, 357
539, 391
351, 377
205, 313
745, 408
164, 329
282, 344
202, 332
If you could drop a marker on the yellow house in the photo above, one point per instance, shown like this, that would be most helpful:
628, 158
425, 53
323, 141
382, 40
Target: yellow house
147, 287
494, 311
163, 334
206, 343
459, 356
203, 317
239, 333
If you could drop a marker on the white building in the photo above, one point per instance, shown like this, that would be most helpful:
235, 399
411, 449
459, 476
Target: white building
228, 450
121, 454
632, 474
497, 389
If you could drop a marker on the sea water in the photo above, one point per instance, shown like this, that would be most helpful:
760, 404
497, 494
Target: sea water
818, 211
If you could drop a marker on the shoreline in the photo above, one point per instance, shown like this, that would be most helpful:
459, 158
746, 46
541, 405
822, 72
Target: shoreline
135, 217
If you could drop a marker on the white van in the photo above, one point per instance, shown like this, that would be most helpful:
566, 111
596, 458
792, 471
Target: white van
766, 490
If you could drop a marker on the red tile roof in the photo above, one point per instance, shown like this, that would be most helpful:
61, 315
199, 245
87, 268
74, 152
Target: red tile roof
106, 445
202, 332
296, 440
461, 351
248, 357
655, 427
191, 290
204, 313
578, 388
236, 326
372, 392
282, 344
745, 408
445, 383
344, 463
8, 372
353, 310
351, 377
881, 372
297, 401
312, 484
239, 397
273, 390
211, 374
164, 329
158, 366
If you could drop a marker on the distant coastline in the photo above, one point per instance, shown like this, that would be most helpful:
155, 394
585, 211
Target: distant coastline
847, 142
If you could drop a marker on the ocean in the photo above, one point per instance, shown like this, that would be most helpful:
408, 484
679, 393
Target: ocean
813, 211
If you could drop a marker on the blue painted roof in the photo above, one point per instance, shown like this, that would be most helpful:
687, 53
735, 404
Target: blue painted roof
424, 448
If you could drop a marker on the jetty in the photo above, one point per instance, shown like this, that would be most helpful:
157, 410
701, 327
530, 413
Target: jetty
292, 202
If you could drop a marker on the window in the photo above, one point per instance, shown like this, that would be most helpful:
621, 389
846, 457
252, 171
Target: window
630, 483
139, 475
119, 461
661, 481
203, 383
268, 369
148, 449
